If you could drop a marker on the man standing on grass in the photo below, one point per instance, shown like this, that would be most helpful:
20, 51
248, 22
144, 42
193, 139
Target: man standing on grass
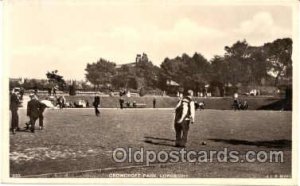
121, 102
41, 110
34, 109
14, 104
96, 103
184, 116
154, 102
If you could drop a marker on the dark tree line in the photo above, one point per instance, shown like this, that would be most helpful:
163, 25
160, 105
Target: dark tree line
241, 65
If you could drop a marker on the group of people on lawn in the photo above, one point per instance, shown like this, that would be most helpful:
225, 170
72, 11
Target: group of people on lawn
35, 110
184, 113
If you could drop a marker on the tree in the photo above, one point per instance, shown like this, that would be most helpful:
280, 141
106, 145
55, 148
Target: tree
219, 76
72, 89
201, 71
147, 72
257, 66
125, 78
189, 72
101, 72
279, 58
219, 70
13, 84
172, 69
55, 80
236, 57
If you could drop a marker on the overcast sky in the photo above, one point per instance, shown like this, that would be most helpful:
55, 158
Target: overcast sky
66, 35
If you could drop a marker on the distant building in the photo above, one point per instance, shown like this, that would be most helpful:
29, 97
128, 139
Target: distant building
132, 64
138, 58
172, 83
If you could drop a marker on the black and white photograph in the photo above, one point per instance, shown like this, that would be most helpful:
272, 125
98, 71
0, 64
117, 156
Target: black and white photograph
150, 91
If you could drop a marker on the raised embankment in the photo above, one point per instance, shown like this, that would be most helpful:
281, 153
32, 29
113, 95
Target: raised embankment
224, 103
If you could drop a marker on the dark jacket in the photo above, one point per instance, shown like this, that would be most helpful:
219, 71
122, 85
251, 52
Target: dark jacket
96, 101
35, 108
14, 102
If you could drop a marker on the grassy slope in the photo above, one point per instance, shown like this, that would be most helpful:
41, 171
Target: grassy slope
169, 102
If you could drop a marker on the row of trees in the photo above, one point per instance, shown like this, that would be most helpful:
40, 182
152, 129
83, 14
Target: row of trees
53, 82
241, 65
138, 75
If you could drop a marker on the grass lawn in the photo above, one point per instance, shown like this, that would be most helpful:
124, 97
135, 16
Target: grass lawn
77, 140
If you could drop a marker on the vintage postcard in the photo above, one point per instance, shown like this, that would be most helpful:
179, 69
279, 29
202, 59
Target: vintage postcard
150, 91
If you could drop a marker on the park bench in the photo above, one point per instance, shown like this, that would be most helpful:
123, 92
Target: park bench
135, 105
140, 105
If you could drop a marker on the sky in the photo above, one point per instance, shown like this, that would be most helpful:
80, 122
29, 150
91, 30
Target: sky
65, 35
